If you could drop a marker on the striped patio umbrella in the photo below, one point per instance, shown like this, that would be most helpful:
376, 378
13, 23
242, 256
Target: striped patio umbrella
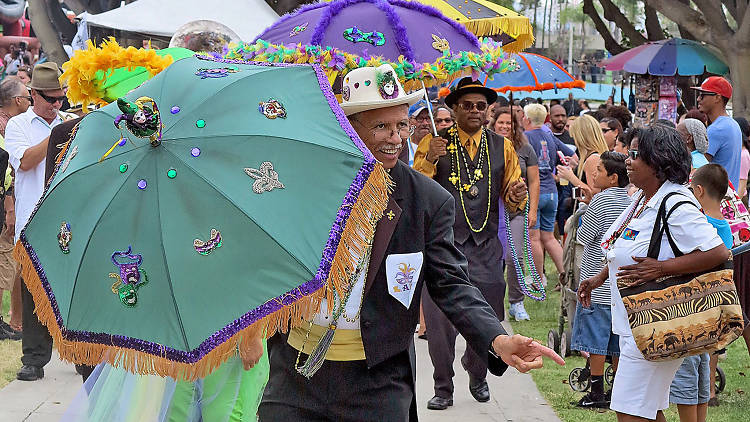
485, 18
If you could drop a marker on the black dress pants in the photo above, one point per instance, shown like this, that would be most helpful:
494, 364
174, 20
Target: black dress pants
339, 391
36, 343
486, 273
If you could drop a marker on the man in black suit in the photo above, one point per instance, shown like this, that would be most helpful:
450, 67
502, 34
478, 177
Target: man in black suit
478, 168
368, 372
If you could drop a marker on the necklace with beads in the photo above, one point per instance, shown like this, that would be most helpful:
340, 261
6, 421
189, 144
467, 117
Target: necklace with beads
471, 188
530, 283
633, 214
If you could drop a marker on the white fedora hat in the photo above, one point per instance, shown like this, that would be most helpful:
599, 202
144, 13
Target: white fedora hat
369, 88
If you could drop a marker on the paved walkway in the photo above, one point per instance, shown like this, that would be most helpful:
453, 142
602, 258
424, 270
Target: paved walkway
514, 395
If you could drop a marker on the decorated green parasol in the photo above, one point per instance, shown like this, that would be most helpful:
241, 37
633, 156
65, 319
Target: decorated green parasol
180, 222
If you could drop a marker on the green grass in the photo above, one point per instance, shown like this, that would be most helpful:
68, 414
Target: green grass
10, 351
552, 379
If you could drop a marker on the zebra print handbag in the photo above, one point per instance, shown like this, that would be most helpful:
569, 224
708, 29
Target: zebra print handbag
682, 315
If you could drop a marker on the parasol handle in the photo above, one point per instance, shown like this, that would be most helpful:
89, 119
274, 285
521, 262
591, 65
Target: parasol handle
429, 110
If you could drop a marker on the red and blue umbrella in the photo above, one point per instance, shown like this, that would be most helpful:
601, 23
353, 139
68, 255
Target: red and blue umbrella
534, 73
669, 57
529, 72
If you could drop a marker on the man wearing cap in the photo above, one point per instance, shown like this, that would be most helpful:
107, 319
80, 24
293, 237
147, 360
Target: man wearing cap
478, 168
724, 134
367, 373
26, 137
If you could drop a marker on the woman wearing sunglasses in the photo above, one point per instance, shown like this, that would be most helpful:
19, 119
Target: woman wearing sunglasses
658, 164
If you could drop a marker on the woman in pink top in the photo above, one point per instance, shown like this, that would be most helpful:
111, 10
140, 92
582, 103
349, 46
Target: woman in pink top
744, 156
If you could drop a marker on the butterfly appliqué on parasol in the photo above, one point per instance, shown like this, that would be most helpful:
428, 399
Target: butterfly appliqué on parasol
354, 35
218, 72
272, 109
213, 243
266, 178
298, 29
130, 278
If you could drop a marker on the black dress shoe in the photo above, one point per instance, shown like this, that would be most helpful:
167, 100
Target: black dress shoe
480, 390
30, 373
7, 332
439, 403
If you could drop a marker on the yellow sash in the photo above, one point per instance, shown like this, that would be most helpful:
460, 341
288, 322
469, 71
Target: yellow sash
347, 344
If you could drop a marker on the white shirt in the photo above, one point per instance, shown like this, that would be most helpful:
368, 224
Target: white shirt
22, 132
688, 226
351, 310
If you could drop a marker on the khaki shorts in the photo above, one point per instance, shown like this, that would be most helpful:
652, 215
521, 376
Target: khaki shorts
8, 266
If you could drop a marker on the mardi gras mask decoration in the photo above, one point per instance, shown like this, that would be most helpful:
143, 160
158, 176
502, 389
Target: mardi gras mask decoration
130, 277
387, 86
141, 118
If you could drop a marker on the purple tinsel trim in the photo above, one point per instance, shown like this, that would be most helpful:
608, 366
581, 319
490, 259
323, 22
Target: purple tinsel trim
402, 40
429, 10
271, 306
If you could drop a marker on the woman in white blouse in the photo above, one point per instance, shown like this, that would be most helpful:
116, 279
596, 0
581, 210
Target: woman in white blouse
658, 164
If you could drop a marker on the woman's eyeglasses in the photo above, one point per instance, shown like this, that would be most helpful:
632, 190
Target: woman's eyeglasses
606, 129
469, 105
633, 154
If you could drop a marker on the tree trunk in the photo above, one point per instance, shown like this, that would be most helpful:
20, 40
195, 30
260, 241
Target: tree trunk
739, 63
46, 33
536, 6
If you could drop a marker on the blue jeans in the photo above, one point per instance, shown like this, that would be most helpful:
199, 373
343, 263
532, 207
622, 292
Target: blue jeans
546, 212
691, 384
592, 331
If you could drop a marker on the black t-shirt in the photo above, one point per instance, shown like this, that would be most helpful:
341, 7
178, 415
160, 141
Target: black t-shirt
565, 137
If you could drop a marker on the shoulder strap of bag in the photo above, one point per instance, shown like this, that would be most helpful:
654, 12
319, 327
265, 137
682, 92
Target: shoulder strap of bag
661, 226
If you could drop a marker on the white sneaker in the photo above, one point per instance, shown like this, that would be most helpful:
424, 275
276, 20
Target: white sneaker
518, 312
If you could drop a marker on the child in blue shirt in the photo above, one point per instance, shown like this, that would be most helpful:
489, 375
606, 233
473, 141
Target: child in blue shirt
691, 387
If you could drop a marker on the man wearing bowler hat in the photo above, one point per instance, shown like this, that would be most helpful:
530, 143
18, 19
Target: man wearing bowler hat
478, 167
26, 138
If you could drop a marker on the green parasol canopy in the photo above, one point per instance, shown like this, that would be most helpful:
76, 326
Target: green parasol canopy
228, 198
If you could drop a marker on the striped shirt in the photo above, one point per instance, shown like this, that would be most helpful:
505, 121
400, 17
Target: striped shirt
604, 209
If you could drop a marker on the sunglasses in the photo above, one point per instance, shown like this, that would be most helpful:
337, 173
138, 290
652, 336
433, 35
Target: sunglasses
706, 94
27, 97
605, 130
51, 99
633, 154
468, 105
446, 120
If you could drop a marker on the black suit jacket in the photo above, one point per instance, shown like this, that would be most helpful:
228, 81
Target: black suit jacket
423, 215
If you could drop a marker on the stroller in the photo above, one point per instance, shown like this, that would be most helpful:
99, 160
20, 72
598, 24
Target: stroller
559, 340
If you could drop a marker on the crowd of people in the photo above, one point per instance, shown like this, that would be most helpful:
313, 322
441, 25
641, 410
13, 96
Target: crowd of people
536, 163
597, 161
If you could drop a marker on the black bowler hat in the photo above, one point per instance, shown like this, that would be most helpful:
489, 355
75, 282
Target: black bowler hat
467, 86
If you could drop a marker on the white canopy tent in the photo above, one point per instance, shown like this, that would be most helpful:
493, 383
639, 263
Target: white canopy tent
247, 18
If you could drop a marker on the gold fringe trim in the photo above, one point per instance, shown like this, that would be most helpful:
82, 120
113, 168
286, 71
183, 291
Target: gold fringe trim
359, 231
356, 237
519, 28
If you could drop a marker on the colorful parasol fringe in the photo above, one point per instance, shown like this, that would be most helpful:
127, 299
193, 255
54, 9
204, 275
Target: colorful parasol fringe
335, 62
